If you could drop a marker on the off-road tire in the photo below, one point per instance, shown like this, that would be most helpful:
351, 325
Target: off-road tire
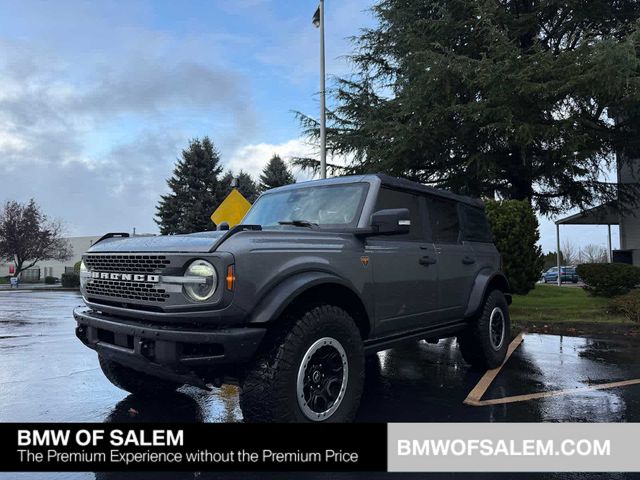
134, 381
475, 342
268, 391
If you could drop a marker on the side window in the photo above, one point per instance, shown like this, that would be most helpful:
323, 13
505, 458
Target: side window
476, 227
443, 216
388, 198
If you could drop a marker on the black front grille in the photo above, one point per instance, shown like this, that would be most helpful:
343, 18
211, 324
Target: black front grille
126, 290
126, 263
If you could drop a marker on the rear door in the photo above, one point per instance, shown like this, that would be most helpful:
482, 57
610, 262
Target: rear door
477, 234
404, 270
456, 261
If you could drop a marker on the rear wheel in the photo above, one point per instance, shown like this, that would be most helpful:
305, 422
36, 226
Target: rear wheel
134, 381
484, 343
311, 369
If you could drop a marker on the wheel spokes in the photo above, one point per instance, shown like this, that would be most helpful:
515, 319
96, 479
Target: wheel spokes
323, 378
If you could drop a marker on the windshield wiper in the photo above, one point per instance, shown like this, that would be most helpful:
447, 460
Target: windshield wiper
299, 223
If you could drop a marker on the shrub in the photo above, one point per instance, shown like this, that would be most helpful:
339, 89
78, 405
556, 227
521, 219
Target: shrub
70, 280
608, 279
76, 267
4, 280
515, 229
628, 305
49, 280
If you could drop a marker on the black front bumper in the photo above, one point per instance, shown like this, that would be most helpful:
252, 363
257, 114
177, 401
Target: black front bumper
167, 351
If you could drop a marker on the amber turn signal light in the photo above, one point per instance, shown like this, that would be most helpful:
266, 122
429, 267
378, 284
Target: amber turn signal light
231, 277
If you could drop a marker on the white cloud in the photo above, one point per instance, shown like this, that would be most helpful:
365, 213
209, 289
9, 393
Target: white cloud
91, 129
92, 134
11, 142
253, 158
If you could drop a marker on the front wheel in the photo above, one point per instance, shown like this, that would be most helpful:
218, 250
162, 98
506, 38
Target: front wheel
484, 344
311, 369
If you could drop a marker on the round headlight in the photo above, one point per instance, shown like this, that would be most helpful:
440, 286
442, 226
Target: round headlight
84, 274
205, 289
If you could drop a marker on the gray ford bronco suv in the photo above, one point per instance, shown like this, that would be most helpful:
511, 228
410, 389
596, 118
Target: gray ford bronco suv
287, 304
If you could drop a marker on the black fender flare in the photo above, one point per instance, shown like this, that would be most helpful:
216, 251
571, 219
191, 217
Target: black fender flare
271, 305
484, 279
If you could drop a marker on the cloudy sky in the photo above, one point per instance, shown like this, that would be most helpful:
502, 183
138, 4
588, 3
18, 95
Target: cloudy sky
97, 98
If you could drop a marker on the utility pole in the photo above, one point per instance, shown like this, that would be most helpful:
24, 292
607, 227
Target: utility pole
558, 254
318, 21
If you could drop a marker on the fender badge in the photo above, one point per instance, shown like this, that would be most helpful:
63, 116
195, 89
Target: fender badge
364, 260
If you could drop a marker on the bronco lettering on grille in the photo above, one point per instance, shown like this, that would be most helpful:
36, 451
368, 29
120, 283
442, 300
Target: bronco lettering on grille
127, 277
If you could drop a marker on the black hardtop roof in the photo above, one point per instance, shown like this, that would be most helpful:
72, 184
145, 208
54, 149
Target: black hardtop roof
404, 184
388, 181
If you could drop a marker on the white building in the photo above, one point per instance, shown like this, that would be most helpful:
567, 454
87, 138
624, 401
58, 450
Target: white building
53, 268
629, 222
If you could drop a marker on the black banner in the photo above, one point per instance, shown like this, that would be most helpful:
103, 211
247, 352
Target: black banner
58, 447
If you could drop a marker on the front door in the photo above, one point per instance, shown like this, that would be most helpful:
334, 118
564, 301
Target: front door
404, 270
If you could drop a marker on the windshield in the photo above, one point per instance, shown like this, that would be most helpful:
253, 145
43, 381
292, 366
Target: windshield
328, 205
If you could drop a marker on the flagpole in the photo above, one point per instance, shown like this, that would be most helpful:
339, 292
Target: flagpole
323, 116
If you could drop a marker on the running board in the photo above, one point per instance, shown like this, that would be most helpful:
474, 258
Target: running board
378, 344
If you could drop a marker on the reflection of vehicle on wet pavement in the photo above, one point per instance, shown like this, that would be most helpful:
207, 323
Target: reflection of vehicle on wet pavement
288, 304
568, 274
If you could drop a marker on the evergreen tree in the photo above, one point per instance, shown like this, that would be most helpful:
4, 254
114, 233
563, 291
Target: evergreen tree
194, 191
516, 231
551, 260
521, 98
244, 183
275, 174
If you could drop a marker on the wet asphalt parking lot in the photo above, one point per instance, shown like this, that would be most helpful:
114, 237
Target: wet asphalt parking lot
47, 375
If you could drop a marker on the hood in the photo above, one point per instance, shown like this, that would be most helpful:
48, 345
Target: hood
203, 242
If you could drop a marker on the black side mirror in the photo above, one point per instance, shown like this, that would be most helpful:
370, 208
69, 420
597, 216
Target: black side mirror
391, 221
223, 226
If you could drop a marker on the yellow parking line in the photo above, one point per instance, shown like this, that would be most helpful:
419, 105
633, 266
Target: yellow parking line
475, 396
478, 391
554, 393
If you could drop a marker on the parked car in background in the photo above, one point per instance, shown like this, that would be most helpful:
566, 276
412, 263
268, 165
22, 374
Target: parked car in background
568, 274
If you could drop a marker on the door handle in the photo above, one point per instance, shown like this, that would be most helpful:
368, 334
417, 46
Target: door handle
427, 260
467, 260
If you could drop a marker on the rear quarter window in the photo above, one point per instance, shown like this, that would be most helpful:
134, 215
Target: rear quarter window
475, 226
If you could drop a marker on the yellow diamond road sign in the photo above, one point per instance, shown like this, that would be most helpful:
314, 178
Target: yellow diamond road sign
232, 210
